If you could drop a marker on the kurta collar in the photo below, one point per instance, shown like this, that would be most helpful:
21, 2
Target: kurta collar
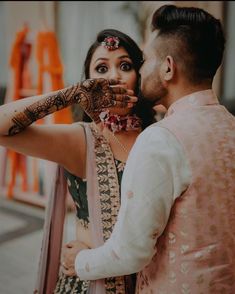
200, 98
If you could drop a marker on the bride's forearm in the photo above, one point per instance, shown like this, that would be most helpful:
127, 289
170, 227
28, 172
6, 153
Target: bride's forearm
18, 115
92, 95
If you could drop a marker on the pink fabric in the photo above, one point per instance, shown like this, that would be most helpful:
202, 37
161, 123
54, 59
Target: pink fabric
54, 224
93, 205
195, 253
53, 236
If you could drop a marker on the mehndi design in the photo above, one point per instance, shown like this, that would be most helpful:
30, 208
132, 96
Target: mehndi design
93, 95
48, 104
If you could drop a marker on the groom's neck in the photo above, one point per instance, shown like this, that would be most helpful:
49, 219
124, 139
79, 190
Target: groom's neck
177, 92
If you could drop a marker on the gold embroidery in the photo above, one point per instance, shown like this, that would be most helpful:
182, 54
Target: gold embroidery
184, 267
185, 289
184, 248
172, 238
172, 277
172, 257
109, 198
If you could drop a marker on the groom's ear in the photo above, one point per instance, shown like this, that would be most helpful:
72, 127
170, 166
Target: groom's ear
168, 68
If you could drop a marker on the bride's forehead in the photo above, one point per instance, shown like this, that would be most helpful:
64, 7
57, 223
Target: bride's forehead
101, 51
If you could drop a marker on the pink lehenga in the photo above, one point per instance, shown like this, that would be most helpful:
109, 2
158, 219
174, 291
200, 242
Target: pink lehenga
103, 198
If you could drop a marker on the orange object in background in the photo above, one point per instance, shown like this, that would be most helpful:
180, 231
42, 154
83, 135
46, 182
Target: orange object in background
18, 165
49, 62
48, 58
20, 55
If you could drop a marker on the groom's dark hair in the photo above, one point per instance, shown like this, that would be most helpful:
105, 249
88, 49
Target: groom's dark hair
193, 37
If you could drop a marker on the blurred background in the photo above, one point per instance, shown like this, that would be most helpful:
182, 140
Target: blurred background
42, 48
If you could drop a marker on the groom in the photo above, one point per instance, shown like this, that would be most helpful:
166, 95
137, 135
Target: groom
176, 225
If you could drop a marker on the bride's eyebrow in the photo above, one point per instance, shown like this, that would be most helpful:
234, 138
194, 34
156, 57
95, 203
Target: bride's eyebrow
101, 58
124, 56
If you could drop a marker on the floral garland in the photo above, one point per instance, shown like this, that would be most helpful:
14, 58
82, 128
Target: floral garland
117, 123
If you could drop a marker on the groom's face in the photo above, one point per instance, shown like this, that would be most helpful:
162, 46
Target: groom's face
152, 86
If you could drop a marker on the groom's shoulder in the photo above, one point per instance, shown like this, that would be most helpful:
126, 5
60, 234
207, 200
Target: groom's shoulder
155, 130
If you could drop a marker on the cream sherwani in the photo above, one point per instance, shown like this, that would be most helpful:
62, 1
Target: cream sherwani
176, 224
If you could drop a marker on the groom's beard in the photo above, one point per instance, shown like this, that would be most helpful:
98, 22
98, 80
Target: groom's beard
156, 96
142, 98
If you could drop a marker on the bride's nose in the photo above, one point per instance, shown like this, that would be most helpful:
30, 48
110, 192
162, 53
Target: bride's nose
115, 74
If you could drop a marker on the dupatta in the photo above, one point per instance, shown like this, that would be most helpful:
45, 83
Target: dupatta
103, 204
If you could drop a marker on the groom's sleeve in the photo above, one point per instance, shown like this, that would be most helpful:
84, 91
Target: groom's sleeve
156, 173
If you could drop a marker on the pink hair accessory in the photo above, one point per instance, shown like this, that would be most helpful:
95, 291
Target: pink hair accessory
111, 43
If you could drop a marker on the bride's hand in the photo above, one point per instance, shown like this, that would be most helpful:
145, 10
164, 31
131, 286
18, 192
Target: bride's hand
98, 94
69, 253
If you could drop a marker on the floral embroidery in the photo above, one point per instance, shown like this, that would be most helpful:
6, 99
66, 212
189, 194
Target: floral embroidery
172, 257
130, 194
184, 267
184, 248
172, 277
172, 238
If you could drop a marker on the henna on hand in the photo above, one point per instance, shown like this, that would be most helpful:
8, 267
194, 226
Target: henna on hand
92, 94
95, 95
49, 104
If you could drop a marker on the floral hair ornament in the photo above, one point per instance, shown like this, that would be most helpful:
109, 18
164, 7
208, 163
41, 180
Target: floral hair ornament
111, 43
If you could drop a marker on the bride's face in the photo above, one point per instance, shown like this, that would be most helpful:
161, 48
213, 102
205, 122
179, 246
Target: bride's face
116, 65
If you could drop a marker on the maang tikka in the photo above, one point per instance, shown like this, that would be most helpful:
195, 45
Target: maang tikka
111, 43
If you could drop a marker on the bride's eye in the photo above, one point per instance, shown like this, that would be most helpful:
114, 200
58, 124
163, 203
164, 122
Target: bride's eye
101, 68
126, 66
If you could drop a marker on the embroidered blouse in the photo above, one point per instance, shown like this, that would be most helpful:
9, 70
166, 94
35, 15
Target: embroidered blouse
77, 188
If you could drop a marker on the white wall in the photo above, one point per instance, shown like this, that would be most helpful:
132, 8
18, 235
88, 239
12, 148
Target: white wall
3, 46
78, 23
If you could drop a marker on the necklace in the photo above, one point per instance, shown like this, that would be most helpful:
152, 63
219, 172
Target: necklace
116, 123
114, 137
119, 143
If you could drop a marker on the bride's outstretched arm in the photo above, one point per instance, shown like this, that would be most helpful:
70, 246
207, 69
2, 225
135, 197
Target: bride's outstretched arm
92, 95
